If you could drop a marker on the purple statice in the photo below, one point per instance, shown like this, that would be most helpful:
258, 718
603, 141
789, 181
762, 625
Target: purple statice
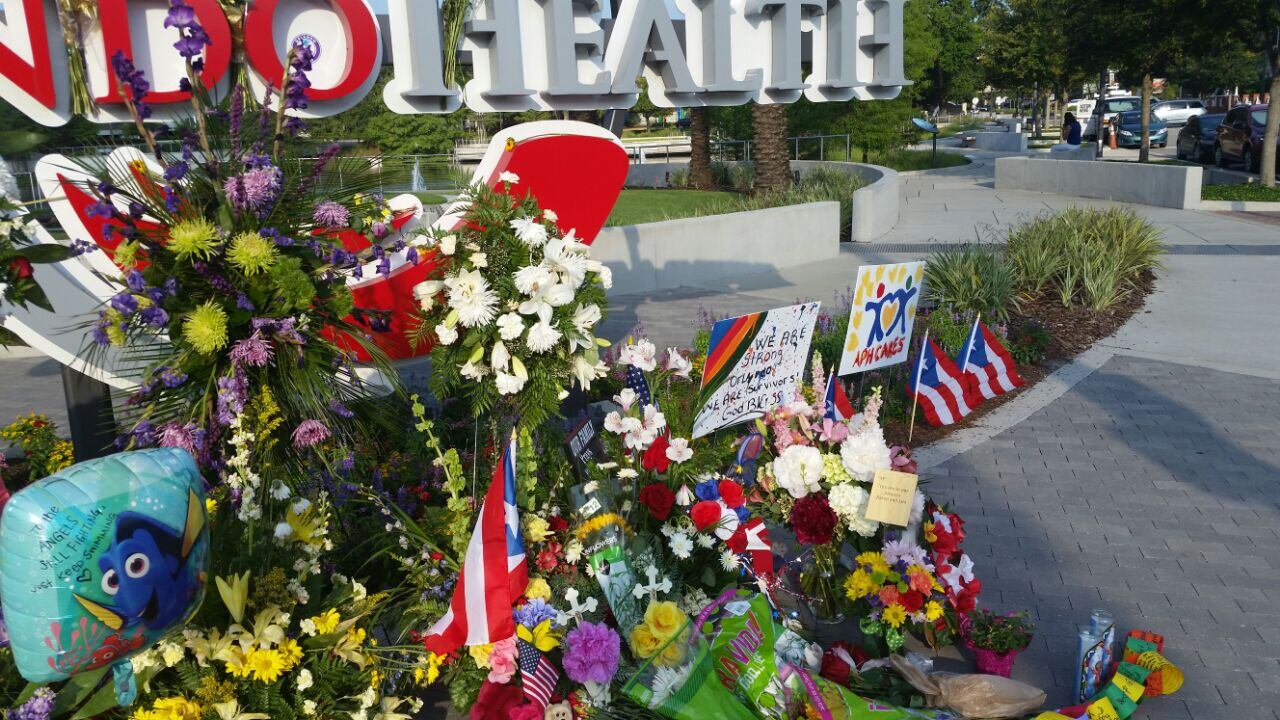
277, 237
233, 392
37, 707
244, 303
254, 190
252, 351
155, 316
135, 281
144, 434
156, 294
337, 408
282, 330
80, 247
331, 214
534, 612
591, 653
124, 303
171, 287
134, 80
330, 151
308, 433
136, 210
171, 378
176, 171
103, 209
171, 200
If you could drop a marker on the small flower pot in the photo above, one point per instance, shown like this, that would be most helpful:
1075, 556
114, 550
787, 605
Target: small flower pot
991, 662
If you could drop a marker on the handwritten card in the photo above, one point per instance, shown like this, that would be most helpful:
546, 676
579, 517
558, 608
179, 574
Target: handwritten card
754, 363
892, 494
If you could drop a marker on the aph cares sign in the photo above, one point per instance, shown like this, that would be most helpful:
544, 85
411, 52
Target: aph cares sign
524, 54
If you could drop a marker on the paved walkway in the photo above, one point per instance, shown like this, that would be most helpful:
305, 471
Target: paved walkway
1141, 479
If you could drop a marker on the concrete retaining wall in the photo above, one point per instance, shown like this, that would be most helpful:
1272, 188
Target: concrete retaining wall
689, 251
876, 205
1086, 151
1172, 186
1002, 141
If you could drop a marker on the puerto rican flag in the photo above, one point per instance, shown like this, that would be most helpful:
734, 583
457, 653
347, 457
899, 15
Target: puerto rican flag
839, 409
983, 357
944, 393
494, 572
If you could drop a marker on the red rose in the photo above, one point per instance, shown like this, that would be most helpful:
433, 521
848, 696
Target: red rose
497, 701
813, 520
558, 524
21, 267
659, 499
860, 656
705, 514
731, 493
835, 669
737, 542
655, 458
911, 601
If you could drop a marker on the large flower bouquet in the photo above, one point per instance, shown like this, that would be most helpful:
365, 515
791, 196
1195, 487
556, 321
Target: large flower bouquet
514, 315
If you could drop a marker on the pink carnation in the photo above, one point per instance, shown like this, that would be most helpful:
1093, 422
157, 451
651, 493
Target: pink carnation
502, 661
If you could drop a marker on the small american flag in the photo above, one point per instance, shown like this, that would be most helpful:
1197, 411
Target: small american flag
537, 675
638, 384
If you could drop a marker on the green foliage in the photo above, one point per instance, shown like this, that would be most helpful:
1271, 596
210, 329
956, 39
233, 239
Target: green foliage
828, 340
1087, 257
1250, 192
37, 437
972, 279
1029, 343
1000, 633
376, 126
949, 329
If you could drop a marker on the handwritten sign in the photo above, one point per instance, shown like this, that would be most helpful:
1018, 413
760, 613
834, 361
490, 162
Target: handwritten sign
885, 298
892, 494
754, 363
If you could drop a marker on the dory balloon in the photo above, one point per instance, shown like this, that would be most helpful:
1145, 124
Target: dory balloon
101, 560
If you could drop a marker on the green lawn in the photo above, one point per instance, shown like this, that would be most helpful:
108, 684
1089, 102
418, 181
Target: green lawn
650, 132
960, 126
431, 198
642, 206
1252, 191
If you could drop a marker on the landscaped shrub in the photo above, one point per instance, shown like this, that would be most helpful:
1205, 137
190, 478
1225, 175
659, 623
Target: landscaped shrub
1029, 343
1085, 257
972, 279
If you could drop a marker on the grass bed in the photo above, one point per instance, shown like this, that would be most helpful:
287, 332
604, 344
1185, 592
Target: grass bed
635, 207
1238, 193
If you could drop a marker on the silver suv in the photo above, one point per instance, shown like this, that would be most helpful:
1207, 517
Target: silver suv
1177, 112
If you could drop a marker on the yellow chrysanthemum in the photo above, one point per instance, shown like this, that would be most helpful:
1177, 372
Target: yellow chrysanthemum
235, 660
859, 585
115, 333
291, 651
196, 237
170, 708
875, 560
206, 328
252, 253
932, 610
537, 589
895, 615
327, 621
210, 505
126, 255
265, 665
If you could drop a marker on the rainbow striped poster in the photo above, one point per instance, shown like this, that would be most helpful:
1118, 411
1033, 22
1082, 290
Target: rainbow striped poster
754, 363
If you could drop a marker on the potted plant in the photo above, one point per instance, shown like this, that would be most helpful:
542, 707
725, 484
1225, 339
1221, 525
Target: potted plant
997, 639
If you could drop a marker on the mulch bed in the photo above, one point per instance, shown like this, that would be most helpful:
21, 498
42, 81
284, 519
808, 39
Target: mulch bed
1073, 330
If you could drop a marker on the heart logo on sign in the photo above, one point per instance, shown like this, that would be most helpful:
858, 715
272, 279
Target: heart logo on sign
887, 315
84, 576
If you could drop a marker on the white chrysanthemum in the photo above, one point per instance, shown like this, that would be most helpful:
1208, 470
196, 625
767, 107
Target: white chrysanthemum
917, 509
471, 296
509, 177
681, 545
903, 549
706, 541
530, 278
446, 334
530, 231
849, 502
448, 244
667, 682
798, 470
573, 551
864, 452
729, 560
510, 326
542, 337
508, 384
549, 215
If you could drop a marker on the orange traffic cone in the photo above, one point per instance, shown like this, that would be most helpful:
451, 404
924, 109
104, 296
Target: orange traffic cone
1111, 137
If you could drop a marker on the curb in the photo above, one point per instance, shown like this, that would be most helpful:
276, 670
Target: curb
1238, 206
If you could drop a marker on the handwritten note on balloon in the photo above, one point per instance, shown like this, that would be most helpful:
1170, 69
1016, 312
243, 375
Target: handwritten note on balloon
885, 298
754, 363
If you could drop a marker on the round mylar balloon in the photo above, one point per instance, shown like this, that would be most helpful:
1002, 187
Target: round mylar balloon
101, 560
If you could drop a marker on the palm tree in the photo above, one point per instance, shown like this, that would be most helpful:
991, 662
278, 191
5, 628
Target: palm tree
700, 148
773, 166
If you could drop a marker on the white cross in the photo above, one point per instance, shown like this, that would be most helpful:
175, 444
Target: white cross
654, 587
576, 611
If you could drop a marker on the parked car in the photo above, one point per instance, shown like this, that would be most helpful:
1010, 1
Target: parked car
1197, 137
1130, 125
1110, 108
1240, 137
1178, 112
